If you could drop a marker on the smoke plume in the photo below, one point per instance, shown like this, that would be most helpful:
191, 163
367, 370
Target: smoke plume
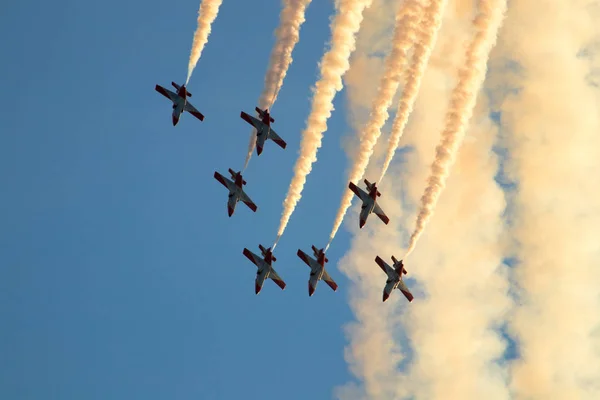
407, 23
552, 124
287, 36
423, 47
471, 76
334, 65
206, 15
460, 291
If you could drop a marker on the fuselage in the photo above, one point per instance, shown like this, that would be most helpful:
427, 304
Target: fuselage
395, 282
391, 283
179, 104
262, 131
178, 107
264, 271
317, 273
235, 194
368, 205
367, 208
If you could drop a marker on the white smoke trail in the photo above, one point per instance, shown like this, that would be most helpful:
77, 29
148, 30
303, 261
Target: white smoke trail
334, 65
553, 126
450, 325
423, 47
471, 75
206, 15
423, 33
287, 36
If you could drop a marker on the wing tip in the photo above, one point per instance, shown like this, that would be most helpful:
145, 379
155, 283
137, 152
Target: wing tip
198, 115
280, 283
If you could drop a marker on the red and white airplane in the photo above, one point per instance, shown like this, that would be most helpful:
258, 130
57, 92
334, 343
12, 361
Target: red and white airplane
236, 191
265, 269
263, 129
317, 269
369, 202
394, 280
180, 103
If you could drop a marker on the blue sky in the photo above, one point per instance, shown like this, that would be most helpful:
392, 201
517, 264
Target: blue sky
121, 276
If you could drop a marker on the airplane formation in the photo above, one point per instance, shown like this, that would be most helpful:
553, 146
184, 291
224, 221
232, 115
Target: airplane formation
264, 262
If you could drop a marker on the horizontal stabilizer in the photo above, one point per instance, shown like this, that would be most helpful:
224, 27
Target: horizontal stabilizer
261, 113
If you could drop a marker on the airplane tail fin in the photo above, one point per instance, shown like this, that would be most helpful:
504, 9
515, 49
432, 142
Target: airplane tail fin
234, 175
400, 266
262, 112
176, 86
370, 186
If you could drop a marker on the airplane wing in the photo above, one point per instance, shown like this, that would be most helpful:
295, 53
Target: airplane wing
166, 92
190, 108
244, 197
404, 289
308, 260
251, 120
358, 191
379, 212
224, 181
261, 274
276, 138
329, 281
256, 260
277, 279
384, 266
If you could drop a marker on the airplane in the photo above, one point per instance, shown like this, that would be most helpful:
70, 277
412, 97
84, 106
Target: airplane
369, 202
263, 129
394, 280
265, 269
236, 191
317, 269
180, 103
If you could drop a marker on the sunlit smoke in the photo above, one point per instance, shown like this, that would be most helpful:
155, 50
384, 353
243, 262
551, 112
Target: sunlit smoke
206, 15
470, 78
287, 36
276, 241
460, 293
552, 127
407, 24
334, 65
424, 45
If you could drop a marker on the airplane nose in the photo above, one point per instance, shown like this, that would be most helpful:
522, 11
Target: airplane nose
361, 224
311, 290
175, 120
230, 211
258, 150
385, 295
256, 288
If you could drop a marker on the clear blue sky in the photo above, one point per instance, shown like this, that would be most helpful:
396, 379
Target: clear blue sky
121, 276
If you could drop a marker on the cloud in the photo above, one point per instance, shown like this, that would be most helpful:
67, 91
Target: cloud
552, 123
